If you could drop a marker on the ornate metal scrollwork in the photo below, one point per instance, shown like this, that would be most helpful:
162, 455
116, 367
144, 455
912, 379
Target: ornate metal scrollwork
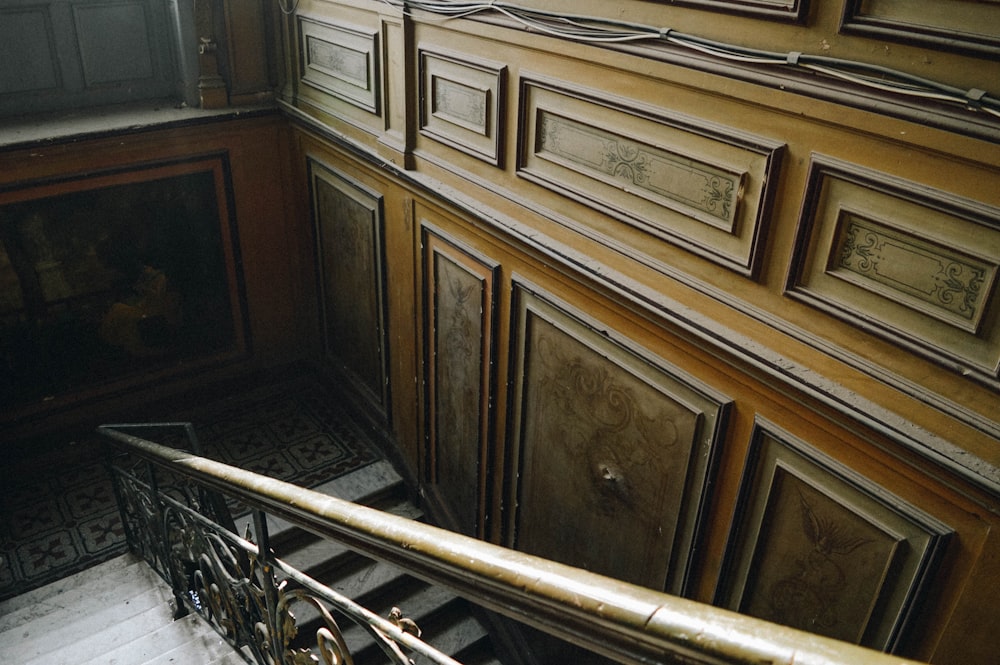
233, 584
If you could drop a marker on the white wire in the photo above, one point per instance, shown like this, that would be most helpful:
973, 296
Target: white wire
605, 31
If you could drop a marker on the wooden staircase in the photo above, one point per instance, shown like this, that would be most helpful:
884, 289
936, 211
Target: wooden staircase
120, 612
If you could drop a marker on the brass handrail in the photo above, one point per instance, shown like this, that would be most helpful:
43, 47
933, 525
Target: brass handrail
625, 622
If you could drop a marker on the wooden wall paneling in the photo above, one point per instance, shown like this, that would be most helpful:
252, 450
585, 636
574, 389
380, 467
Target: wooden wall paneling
611, 449
963, 26
246, 53
270, 313
349, 232
341, 61
817, 546
906, 262
31, 48
782, 10
396, 142
340, 68
463, 102
460, 337
700, 186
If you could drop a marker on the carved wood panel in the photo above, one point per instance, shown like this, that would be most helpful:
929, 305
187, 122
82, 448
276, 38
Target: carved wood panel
350, 256
818, 547
950, 25
342, 61
700, 186
611, 448
463, 103
915, 265
460, 315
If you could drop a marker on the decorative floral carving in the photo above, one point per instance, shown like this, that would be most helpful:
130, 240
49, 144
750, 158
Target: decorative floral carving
930, 273
808, 596
683, 180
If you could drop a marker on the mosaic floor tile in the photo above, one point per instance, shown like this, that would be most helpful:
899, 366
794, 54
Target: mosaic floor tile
65, 520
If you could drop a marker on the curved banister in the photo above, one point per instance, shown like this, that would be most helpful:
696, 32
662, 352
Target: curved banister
623, 621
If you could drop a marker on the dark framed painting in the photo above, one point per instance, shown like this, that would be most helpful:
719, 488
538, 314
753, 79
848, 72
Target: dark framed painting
115, 278
818, 547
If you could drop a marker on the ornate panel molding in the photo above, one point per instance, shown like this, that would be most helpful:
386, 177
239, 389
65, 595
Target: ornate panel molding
351, 265
787, 10
951, 25
463, 102
460, 319
702, 187
341, 61
816, 546
901, 261
606, 440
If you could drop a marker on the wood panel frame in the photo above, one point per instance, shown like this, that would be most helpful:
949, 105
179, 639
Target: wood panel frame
342, 61
702, 187
794, 11
460, 320
348, 223
103, 286
604, 389
463, 103
809, 531
964, 27
916, 266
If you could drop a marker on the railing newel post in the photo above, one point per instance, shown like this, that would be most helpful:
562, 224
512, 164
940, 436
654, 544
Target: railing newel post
268, 583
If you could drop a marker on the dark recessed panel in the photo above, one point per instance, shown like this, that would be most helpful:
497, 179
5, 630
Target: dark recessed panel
612, 449
110, 279
817, 547
351, 266
460, 317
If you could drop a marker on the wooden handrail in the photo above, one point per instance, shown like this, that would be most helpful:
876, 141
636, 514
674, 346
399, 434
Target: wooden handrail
622, 621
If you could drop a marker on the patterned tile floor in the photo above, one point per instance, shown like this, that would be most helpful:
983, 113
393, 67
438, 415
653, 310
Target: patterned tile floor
57, 509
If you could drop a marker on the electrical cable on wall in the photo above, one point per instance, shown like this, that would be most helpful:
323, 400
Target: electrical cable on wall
597, 30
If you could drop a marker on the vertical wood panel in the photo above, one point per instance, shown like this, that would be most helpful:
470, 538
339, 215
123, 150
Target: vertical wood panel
350, 255
612, 449
461, 301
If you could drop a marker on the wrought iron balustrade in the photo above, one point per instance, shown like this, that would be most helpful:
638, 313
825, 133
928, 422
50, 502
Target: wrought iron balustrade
181, 528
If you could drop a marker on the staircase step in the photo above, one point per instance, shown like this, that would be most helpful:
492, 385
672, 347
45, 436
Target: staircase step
453, 633
120, 612
418, 601
65, 586
99, 631
315, 556
365, 486
59, 620
186, 640
126, 572
203, 647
